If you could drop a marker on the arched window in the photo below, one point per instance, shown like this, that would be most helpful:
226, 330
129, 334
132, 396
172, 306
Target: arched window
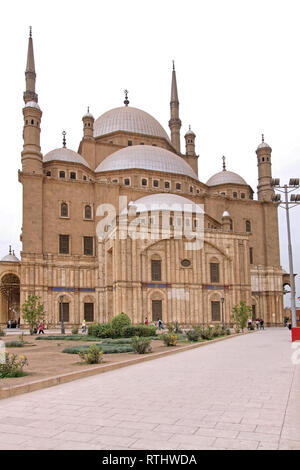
62, 174
64, 210
248, 226
156, 270
144, 182
88, 212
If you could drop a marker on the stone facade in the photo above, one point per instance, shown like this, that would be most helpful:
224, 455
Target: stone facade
98, 278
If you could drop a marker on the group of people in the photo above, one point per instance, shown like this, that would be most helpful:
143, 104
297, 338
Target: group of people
159, 324
13, 323
259, 322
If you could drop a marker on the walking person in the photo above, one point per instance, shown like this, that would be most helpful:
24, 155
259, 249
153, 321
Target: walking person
146, 321
249, 323
160, 325
257, 323
262, 324
41, 328
83, 326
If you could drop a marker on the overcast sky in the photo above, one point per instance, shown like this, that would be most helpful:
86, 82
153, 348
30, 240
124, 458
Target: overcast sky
238, 75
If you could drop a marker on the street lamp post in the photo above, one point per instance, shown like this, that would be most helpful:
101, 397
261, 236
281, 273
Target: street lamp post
287, 205
222, 302
61, 298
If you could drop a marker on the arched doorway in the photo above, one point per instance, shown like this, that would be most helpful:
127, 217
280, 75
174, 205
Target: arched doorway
10, 297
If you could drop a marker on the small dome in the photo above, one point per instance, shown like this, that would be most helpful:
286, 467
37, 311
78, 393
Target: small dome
65, 155
163, 201
263, 145
225, 214
146, 157
190, 132
88, 114
128, 119
32, 104
10, 259
225, 177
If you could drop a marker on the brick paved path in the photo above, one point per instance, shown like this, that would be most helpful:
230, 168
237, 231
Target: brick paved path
242, 393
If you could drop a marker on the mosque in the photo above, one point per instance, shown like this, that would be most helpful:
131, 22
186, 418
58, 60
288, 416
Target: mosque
79, 256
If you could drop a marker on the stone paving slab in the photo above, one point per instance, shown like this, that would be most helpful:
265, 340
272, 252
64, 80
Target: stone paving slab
237, 394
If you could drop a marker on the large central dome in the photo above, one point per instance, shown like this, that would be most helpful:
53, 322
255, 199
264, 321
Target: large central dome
128, 119
146, 157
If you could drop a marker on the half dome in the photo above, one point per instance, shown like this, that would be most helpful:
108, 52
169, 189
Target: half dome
226, 177
164, 201
10, 259
128, 119
146, 157
65, 155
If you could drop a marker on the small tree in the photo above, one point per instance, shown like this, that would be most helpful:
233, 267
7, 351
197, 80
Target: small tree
240, 315
33, 311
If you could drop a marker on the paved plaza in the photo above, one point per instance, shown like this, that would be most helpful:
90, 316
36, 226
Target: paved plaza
242, 393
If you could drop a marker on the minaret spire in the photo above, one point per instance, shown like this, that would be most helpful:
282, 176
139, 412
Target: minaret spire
30, 94
175, 123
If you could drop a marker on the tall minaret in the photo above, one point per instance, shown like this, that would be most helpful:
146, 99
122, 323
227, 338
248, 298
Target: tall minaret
31, 175
32, 160
175, 123
265, 190
30, 94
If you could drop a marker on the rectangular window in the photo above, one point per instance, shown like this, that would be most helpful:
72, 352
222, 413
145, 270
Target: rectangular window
155, 183
88, 246
167, 184
129, 143
65, 311
89, 312
214, 272
215, 311
72, 175
156, 270
64, 244
251, 255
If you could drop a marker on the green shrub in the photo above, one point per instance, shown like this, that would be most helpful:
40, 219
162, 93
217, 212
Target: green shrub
107, 348
14, 344
170, 339
217, 331
228, 332
139, 330
13, 366
120, 322
93, 355
141, 345
111, 341
93, 329
67, 338
207, 333
103, 330
193, 335
74, 331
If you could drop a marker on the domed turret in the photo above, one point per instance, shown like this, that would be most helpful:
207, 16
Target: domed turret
190, 137
10, 258
264, 188
88, 125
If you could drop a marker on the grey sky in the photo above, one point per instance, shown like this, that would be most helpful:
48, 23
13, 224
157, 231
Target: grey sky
238, 75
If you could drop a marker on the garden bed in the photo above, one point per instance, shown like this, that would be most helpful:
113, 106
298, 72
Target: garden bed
46, 359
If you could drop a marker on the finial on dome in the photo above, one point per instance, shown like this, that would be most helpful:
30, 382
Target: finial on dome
190, 127
263, 138
224, 163
126, 102
64, 139
30, 31
173, 64
88, 109
10, 249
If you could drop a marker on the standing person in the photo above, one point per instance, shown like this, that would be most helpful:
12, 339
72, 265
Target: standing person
159, 324
257, 323
262, 324
146, 321
41, 328
83, 326
249, 323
